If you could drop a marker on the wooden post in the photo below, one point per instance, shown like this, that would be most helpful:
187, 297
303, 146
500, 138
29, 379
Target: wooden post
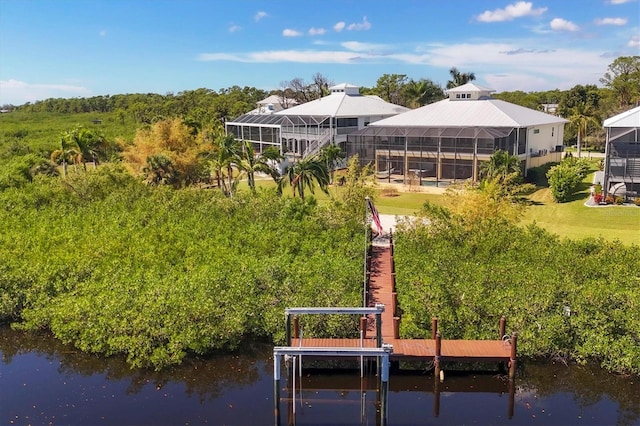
512, 397
396, 327
436, 359
436, 395
434, 327
296, 327
363, 327
503, 326
394, 302
288, 329
514, 351
378, 330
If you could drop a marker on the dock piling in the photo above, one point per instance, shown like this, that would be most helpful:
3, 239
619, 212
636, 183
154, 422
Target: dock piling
503, 326
436, 358
434, 327
512, 360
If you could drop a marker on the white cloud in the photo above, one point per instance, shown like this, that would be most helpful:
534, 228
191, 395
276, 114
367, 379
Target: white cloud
357, 46
301, 56
316, 31
288, 32
620, 1
102, 33
512, 11
259, 15
559, 24
634, 42
339, 26
18, 92
364, 25
234, 28
611, 21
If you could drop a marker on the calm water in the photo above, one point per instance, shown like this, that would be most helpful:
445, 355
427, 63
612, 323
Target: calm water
45, 382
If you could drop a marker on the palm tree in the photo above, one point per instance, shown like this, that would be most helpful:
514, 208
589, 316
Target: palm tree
159, 170
303, 173
331, 155
458, 78
223, 158
250, 163
501, 163
67, 153
582, 117
89, 144
422, 92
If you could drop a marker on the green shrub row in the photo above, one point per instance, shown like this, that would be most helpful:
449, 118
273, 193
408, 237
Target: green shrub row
566, 299
116, 267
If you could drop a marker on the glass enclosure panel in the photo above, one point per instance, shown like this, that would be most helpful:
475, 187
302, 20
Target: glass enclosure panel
464, 145
485, 146
254, 133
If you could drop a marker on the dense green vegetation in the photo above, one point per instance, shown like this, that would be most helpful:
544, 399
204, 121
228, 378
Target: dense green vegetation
115, 266
565, 298
161, 270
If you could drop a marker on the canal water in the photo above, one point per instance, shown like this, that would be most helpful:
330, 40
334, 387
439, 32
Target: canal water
43, 382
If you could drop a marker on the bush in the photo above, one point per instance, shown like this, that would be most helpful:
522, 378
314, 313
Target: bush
565, 178
117, 267
469, 275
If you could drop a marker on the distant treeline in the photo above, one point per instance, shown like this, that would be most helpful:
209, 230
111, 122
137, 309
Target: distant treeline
201, 105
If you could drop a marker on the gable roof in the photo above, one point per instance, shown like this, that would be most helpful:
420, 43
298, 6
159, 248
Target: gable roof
629, 118
345, 104
470, 113
469, 87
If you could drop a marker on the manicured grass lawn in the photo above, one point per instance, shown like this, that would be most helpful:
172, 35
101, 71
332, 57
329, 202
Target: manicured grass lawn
575, 220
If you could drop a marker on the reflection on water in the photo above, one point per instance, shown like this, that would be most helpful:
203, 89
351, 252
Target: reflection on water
45, 382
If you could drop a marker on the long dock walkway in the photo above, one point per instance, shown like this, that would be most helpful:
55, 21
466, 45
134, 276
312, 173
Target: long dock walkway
381, 290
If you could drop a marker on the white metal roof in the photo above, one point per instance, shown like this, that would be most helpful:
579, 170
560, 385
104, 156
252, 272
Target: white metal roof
342, 104
276, 100
629, 118
469, 87
470, 113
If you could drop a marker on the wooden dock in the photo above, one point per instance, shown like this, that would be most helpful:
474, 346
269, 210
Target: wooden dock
381, 290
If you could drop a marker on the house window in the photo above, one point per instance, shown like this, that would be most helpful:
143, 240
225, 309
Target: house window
536, 131
552, 129
468, 95
457, 95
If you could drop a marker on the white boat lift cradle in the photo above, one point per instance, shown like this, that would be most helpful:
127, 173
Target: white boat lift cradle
381, 353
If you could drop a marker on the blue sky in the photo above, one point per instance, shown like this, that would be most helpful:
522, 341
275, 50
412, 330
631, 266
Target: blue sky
81, 48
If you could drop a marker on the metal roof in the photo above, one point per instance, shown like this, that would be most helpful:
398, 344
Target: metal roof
340, 104
470, 113
629, 118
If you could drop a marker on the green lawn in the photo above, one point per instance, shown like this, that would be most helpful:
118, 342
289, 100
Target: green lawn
571, 220
575, 220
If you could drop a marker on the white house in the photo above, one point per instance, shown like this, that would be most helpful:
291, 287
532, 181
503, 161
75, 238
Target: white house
622, 154
304, 129
447, 140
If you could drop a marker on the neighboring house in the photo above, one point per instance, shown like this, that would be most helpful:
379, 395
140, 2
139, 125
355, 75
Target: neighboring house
550, 108
447, 140
622, 154
272, 104
304, 129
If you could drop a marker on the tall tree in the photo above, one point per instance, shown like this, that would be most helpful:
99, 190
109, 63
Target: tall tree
302, 174
250, 163
67, 153
458, 78
331, 155
421, 92
390, 88
582, 118
623, 77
